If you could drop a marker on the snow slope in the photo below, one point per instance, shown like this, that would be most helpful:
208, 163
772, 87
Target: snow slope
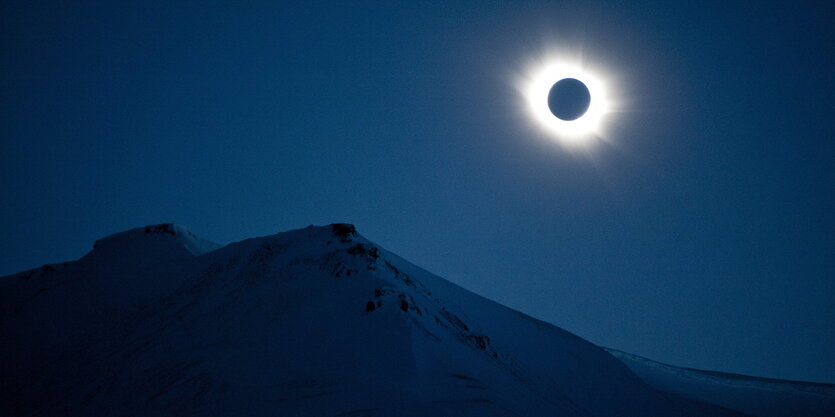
312, 322
757, 396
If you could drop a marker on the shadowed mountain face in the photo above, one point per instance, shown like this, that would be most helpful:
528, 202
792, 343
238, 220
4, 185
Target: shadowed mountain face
313, 322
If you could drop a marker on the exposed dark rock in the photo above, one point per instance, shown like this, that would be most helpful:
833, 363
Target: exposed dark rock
360, 249
165, 228
479, 340
344, 231
393, 268
379, 292
457, 322
399, 275
265, 252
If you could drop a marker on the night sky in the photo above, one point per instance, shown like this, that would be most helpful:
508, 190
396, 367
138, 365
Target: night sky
700, 233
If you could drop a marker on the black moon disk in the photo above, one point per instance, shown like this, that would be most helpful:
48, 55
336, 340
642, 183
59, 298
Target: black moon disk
569, 99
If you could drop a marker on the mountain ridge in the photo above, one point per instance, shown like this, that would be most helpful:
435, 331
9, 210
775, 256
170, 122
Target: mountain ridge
766, 397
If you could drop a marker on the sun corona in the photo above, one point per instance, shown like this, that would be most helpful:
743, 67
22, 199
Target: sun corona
536, 86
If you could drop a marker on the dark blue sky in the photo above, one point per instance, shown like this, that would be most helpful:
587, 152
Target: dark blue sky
703, 235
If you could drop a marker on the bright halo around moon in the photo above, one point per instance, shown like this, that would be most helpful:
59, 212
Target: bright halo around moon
536, 86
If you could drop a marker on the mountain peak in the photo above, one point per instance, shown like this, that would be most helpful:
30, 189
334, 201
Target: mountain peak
165, 234
344, 230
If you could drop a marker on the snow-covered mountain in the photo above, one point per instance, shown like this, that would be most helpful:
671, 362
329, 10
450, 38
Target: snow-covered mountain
312, 322
756, 396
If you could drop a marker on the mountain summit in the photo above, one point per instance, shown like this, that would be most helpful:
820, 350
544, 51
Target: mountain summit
155, 236
312, 322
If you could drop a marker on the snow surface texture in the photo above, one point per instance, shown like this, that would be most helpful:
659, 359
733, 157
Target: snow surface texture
756, 396
312, 322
